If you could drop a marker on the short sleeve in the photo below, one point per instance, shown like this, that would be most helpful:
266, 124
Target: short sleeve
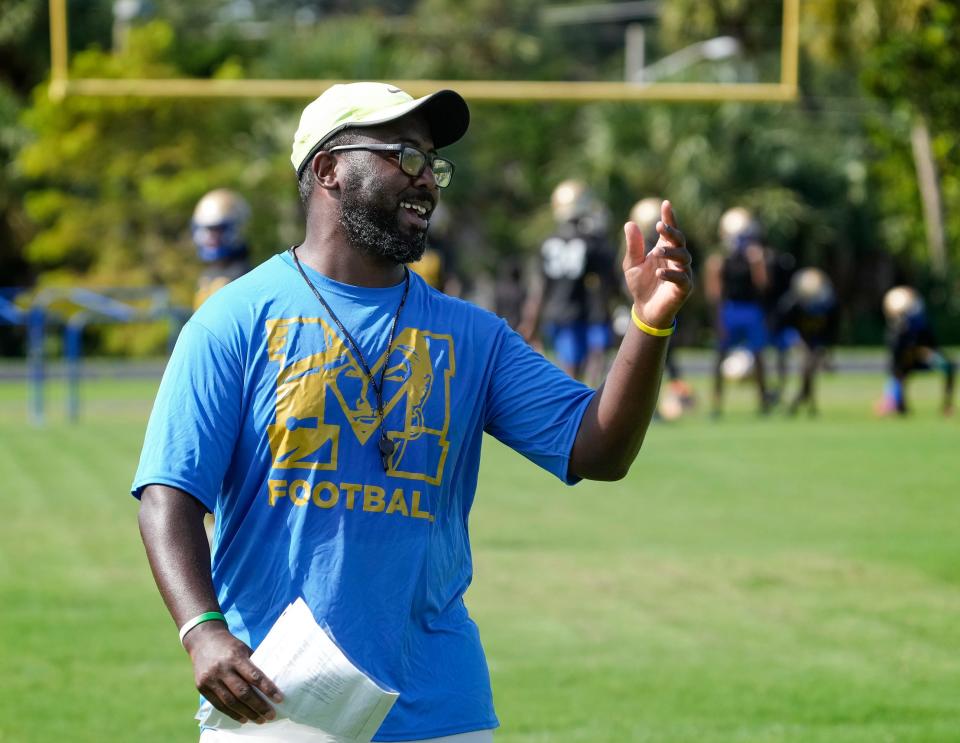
195, 419
534, 407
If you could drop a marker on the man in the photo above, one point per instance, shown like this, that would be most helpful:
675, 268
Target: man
809, 308
329, 407
780, 269
736, 281
218, 229
574, 284
913, 347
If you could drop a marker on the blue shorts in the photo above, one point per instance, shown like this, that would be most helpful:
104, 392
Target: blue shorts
742, 324
785, 338
572, 342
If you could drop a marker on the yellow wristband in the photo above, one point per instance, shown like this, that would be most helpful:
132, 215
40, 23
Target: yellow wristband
649, 329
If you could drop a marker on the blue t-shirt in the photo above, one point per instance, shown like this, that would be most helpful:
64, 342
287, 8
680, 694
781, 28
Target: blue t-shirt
266, 416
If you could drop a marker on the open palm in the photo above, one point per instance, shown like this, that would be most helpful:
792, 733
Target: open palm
659, 281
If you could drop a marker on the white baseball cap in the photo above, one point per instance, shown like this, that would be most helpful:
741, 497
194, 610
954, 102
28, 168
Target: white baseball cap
369, 104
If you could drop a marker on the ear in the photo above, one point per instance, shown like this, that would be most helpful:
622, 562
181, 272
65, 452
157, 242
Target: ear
324, 167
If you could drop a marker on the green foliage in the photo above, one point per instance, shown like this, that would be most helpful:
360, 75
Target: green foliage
916, 74
855, 183
25, 37
115, 179
14, 228
112, 181
756, 24
903, 55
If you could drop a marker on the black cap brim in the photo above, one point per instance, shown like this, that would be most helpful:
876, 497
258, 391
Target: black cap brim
448, 117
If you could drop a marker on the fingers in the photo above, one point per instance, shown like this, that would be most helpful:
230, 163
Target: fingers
635, 248
258, 678
232, 683
672, 243
671, 234
680, 278
667, 215
234, 696
680, 256
238, 700
223, 699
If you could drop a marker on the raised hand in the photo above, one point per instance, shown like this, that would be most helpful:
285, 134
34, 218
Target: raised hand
659, 281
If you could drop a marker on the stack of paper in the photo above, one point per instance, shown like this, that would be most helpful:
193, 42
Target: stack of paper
322, 689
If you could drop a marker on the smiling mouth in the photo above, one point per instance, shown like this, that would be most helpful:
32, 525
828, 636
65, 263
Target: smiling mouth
421, 208
418, 212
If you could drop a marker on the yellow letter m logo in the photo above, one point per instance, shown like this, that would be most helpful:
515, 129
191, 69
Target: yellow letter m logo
319, 392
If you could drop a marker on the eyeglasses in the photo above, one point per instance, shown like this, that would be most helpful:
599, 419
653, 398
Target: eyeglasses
412, 161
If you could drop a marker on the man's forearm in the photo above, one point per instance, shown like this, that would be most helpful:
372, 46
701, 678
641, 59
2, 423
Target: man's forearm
171, 525
616, 421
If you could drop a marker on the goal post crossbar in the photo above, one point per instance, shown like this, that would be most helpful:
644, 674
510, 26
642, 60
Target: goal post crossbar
504, 91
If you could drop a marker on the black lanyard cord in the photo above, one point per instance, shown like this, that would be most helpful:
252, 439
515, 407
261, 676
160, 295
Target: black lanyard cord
385, 445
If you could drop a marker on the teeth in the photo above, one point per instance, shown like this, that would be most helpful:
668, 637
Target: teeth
418, 208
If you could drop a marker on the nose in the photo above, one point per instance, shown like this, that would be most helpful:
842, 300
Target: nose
427, 179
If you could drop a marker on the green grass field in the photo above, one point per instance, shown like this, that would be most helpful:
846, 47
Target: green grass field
751, 580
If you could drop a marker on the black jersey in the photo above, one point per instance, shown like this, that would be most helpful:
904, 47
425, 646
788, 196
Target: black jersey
737, 277
579, 281
815, 322
906, 341
780, 270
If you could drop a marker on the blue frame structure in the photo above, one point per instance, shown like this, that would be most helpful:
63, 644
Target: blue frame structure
74, 309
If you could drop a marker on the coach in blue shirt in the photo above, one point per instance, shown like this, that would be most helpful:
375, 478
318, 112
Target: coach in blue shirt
329, 408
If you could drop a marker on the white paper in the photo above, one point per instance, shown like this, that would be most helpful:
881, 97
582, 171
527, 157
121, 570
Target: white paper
321, 687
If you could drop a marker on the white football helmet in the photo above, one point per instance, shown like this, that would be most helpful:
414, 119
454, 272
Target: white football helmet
571, 200
738, 227
812, 287
901, 302
219, 225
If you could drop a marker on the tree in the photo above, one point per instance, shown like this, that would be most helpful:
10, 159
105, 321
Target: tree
916, 74
114, 180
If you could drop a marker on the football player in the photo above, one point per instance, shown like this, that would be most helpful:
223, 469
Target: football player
218, 228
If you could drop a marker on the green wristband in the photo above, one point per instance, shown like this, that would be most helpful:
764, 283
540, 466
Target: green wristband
200, 619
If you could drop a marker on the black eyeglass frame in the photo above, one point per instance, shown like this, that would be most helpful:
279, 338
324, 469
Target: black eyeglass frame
428, 159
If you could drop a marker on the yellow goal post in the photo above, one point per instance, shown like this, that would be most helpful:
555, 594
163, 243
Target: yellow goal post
504, 91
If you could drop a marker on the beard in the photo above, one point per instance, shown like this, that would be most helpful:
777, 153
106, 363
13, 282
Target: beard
372, 228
